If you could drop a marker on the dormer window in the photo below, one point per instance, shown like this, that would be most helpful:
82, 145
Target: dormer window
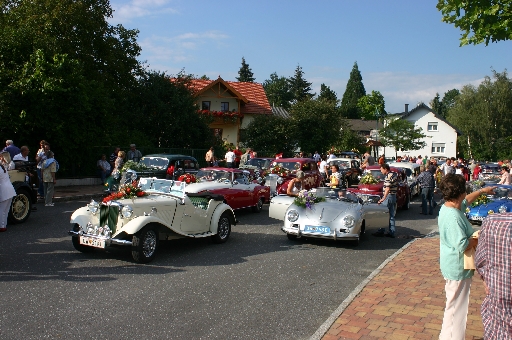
432, 127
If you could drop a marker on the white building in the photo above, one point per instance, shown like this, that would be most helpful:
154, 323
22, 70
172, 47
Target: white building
441, 136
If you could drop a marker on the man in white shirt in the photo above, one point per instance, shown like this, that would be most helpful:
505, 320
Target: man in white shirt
322, 168
23, 155
230, 158
316, 157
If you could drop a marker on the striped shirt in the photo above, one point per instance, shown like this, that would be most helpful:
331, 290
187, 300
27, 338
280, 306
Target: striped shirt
391, 182
493, 260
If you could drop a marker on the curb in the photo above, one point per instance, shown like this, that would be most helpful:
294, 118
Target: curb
335, 315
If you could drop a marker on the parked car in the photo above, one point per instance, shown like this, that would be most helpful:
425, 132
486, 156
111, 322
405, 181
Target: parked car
349, 154
283, 170
23, 179
499, 203
168, 166
403, 195
234, 185
342, 216
167, 212
412, 170
259, 163
490, 173
350, 170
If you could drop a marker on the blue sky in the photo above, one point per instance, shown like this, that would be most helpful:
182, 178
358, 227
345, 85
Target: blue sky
401, 47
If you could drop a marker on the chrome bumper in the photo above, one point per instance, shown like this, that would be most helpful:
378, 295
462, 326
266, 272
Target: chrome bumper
333, 236
108, 241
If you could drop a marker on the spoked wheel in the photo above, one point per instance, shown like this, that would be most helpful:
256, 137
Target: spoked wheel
223, 229
145, 244
21, 206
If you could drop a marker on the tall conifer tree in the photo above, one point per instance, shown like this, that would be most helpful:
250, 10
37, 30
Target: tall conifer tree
300, 87
354, 91
245, 73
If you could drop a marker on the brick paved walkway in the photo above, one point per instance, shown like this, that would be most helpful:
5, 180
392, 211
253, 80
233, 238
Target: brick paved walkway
405, 300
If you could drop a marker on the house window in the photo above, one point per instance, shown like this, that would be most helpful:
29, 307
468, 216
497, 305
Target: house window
438, 147
224, 106
205, 106
432, 127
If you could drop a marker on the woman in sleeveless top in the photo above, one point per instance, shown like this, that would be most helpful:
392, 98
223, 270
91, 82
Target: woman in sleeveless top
296, 185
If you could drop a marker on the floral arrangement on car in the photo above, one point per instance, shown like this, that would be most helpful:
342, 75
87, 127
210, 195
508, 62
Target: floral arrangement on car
306, 199
482, 199
369, 179
187, 178
130, 190
279, 170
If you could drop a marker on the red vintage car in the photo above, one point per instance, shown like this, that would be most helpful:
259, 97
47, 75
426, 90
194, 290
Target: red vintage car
283, 170
403, 194
235, 185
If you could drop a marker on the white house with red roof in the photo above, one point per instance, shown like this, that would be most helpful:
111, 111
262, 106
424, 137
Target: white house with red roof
233, 105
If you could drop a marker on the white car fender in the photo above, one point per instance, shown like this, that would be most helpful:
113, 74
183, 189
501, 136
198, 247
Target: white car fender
221, 208
140, 222
82, 216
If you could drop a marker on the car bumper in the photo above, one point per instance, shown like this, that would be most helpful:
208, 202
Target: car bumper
335, 234
108, 241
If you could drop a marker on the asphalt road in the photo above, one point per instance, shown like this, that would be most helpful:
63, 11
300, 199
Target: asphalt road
258, 285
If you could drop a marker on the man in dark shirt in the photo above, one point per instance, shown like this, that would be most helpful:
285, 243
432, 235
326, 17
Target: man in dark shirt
390, 189
427, 184
113, 157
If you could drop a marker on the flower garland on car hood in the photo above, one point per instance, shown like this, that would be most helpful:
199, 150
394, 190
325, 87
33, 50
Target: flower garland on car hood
130, 190
307, 199
369, 179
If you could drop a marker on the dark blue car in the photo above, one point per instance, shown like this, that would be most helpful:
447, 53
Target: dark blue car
499, 203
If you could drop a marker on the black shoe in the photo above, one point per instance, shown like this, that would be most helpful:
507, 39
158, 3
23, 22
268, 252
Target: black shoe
389, 235
379, 233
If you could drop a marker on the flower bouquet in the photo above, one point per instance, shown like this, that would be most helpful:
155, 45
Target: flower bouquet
279, 170
307, 199
130, 190
131, 165
482, 199
369, 179
187, 178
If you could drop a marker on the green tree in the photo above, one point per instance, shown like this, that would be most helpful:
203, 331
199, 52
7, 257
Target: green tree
66, 75
300, 87
484, 116
354, 91
402, 135
480, 21
245, 73
278, 91
316, 124
372, 106
327, 94
348, 139
448, 101
270, 134
437, 105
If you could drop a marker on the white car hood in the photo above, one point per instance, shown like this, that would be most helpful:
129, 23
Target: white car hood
326, 212
204, 186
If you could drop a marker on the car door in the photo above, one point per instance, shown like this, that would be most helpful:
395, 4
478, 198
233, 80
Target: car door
278, 206
245, 190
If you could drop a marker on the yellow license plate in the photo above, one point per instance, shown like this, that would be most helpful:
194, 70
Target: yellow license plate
92, 242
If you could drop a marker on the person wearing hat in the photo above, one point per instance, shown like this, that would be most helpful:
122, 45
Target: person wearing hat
296, 185
505, 175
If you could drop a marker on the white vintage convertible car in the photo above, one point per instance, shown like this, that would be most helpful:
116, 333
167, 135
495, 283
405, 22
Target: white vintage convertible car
165, 212
342, 216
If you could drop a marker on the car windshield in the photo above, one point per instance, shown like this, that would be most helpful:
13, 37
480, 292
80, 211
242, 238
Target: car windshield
408, 171
213, 175
260, 163
292, 166
502, 193
342, 164
155, 162
162, 186
376, 173
336, 194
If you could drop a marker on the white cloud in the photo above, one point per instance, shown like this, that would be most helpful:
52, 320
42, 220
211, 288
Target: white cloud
125, 12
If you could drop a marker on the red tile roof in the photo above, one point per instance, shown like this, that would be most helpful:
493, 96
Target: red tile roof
252, 95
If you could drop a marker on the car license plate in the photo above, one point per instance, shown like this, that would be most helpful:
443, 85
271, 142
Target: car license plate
317, 229
92, 242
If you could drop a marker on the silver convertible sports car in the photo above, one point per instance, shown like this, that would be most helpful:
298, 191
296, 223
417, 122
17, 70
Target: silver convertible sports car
342, 216
141, 214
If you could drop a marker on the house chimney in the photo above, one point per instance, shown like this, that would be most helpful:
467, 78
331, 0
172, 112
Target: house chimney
406, 108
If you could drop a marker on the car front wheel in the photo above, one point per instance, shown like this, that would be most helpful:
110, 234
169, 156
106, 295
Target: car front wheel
145, 244
223, 229
257, 208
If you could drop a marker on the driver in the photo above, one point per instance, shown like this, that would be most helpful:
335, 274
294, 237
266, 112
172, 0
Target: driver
296, 185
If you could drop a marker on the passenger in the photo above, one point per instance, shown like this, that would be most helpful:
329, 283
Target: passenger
505, 175
296, 185
335, 180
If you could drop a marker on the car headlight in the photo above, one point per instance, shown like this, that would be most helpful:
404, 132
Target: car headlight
467, 210
280, 180
127, 211
93, 207
490, 212
502, 209
292, 215
349, 221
